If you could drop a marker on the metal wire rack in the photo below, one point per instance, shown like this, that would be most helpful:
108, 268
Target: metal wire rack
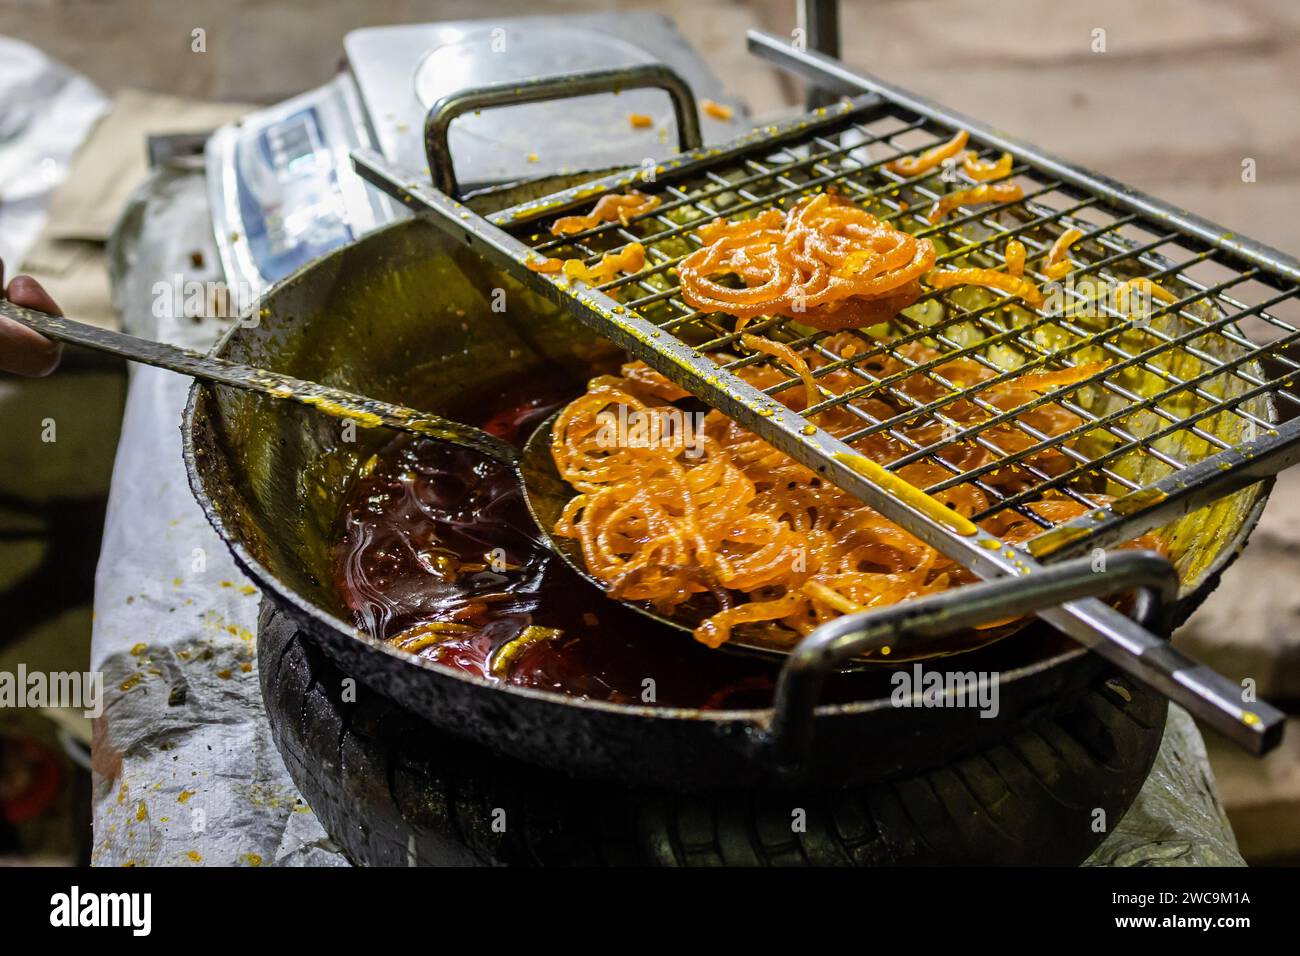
1179, 409
1180, 382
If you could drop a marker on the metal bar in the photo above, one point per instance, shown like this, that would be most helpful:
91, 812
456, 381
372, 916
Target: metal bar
834, 75
365, 412
820, 22
917, 626
437, 126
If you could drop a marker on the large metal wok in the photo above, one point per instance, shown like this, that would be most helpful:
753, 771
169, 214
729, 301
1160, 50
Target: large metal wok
404, 314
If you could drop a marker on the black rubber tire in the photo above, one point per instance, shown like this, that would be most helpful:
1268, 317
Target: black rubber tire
392, 790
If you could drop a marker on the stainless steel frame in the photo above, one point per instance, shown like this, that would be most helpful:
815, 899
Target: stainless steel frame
1196, 484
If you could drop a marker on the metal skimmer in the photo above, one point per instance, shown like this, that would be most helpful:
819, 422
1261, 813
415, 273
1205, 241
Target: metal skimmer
1183, 413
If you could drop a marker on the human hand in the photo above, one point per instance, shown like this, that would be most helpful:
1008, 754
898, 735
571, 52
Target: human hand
23, 351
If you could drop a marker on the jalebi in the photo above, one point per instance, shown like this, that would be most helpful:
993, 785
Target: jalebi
991, 278
717, 511
915, 165
1015, 256
1057, 265
628, 259
988, 192
827, 263
982, 170
615, 207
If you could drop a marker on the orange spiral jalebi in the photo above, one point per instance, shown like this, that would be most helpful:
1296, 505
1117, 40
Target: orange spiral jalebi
717, 511
827, 263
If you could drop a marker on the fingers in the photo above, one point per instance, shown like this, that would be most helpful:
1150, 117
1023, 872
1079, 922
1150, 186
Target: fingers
25, 290
22, 351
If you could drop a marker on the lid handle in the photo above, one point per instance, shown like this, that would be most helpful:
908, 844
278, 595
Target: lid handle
642, 76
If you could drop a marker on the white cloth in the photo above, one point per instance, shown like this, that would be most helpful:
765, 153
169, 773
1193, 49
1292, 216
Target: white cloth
186, 771
46, 112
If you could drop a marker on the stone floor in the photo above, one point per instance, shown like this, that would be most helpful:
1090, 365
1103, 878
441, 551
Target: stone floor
1182, 93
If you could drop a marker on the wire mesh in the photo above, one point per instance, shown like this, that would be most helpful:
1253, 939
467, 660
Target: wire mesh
1162, 382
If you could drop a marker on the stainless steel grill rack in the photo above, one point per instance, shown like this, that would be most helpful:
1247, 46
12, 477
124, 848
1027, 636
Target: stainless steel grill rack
1183, 413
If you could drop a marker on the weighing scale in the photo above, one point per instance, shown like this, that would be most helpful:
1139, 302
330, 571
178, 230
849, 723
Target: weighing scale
280, 183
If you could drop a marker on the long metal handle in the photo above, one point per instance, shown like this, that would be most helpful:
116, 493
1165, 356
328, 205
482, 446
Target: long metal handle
919, 626
366, 412
437, 127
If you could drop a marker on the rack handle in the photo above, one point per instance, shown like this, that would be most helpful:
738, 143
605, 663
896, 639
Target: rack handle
917, 625
437, 126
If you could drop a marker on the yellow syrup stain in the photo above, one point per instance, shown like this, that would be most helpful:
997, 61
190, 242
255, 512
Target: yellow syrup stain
909, 494
1054, 540
1136, 501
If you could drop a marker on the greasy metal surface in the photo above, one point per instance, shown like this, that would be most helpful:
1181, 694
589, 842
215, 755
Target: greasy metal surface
641, 76
1177, 386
